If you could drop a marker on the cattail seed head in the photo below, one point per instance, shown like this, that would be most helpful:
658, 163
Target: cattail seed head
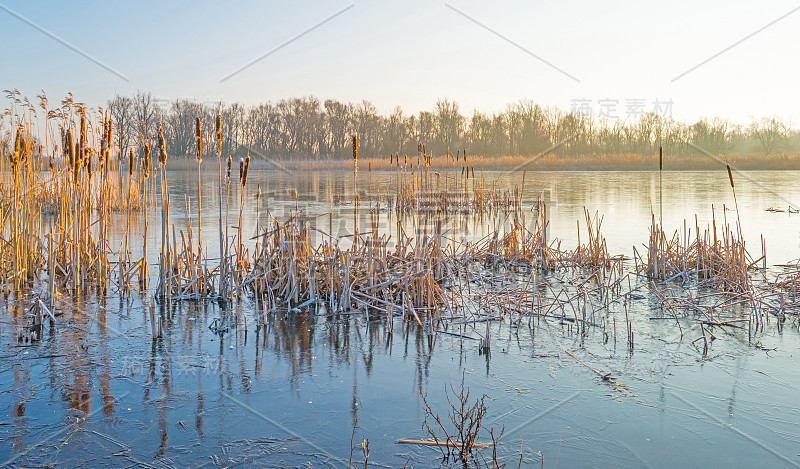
355, 153
228, 171
103, 149
219, 135
130, 163
77, 162
15, 155
660, 158
162, 147
23, 145
69, 148
241, 170
109, 133
199, 134
83, 126
146, 158
730, 175
246, 170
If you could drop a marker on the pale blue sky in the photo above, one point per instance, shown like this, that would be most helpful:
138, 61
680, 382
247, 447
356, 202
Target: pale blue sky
410, 53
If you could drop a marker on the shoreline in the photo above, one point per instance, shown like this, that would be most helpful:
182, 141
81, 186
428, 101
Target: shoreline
615, 162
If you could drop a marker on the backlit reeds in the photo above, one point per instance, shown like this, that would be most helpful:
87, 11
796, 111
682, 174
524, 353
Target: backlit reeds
404, 261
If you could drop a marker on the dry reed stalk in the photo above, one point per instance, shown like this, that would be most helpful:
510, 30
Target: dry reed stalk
223, 289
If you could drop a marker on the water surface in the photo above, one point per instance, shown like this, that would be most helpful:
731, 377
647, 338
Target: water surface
97, 391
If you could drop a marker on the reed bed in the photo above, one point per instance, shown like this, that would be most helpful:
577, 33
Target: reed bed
59, 197
715, 256
427, 190
56, 204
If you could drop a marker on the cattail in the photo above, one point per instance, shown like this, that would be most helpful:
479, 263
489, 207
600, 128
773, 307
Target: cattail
219, 135
103, 148
83, 128
109, 133
15, 155
79, 150
68, 147
241, 170
391, 158
146, 158
82, 142
660, 158
78, 161
246, 170
730, 175
104, 139
228, 173
162, 147
106, 143
198, 133
23, 145
355, 153
130, 163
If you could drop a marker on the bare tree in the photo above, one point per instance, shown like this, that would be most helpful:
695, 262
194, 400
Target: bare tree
179, 128
145, 111
306, 128
122, 113
713, 135
771, 134
449, 125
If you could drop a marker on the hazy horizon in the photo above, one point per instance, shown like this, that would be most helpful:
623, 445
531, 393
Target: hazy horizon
412, 54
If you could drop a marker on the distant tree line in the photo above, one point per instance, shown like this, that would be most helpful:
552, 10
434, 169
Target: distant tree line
306, 128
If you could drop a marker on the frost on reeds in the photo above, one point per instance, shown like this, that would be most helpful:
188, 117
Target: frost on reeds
57, 212
716, 256
288, 268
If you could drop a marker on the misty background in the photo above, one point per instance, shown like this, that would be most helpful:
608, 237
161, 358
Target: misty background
413, 53
309, 128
